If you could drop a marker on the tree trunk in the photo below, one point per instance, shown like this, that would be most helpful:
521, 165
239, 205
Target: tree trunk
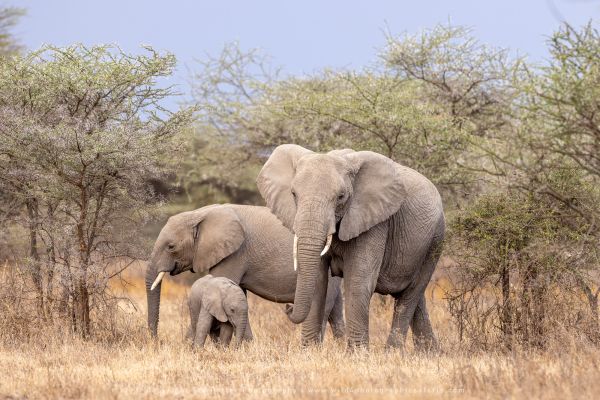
82, 308
592, 299
506, 315
36, 273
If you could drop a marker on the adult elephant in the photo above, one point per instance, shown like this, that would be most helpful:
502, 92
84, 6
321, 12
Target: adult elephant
246, 244
385, 225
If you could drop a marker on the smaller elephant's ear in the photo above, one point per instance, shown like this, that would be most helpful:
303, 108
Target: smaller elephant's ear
216, 236
213, 302
275, 181
378, 192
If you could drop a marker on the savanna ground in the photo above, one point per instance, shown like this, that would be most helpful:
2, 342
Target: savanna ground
122, 361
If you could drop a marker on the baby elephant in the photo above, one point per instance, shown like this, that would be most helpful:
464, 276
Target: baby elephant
217, 306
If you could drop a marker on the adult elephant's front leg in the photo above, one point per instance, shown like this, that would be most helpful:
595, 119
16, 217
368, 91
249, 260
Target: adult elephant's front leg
359, 286
362, 262
312, 326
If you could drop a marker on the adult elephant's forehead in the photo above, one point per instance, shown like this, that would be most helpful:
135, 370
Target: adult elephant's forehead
322, 162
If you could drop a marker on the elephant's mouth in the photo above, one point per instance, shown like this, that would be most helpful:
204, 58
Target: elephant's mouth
178, 269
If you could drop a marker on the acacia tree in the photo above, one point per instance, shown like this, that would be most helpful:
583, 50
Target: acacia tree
520, 263
82, 131
248, 110
548, 159
472, 81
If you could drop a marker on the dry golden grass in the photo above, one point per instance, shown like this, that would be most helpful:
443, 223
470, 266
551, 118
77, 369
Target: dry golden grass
130, 365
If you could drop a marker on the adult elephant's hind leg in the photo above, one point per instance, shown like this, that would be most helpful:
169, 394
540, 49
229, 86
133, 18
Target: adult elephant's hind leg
404, 307
411, 301
423, 336
334, 308
248, 336
336, 316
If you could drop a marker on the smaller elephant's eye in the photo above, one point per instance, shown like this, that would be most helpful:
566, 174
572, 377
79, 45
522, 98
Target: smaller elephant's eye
171, 246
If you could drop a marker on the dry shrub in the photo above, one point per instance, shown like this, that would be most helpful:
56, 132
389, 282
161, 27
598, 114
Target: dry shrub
22, 322
523, 277
132, 365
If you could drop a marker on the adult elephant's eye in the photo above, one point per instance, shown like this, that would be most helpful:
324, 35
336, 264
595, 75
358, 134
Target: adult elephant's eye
341, 196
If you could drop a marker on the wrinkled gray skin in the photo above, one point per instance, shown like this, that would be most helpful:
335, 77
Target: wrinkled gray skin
387, 223
217, 306
246, 244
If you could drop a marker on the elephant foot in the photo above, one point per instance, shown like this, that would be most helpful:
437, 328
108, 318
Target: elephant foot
338, 333
395, 340
426, 345
357, 348
311, 339
338, 330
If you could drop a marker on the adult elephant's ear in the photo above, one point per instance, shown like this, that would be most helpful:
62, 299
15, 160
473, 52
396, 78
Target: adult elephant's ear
275, 179
216, 236
378, 192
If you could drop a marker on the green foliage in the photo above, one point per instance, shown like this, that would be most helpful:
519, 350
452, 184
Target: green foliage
564, 97
375, 111
473, 82
82, 132
247, 110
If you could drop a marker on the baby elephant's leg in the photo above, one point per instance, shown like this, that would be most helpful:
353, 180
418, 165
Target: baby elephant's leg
215, 331
225, 334
205, 321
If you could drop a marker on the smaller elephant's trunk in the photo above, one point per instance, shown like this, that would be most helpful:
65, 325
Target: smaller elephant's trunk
240, 331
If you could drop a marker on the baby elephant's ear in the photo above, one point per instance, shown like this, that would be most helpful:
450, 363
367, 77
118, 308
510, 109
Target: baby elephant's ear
213, 302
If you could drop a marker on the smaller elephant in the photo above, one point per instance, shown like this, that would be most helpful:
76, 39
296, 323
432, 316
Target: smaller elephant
217, 306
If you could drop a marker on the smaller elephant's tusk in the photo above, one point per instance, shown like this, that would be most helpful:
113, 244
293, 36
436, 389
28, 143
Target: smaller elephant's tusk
158, 279
327, 245
295, 252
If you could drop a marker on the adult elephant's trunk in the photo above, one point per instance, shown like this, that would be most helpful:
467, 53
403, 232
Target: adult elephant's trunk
311, 237
153, 297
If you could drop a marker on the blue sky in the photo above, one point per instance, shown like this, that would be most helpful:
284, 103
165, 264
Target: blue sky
301, 36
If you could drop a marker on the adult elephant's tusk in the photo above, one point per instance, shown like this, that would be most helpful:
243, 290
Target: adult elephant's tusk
327, 245
295, 252
158, 279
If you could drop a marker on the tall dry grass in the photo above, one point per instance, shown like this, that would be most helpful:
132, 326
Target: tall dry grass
121, 361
